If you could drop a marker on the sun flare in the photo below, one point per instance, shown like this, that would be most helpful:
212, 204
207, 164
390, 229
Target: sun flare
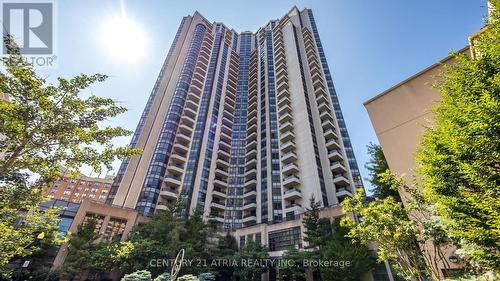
124, 39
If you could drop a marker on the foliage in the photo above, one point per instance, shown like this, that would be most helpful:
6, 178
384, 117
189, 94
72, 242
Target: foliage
460, 152
311, 225
144, 275
377, 166
206, 277
141, 275
400, 232
48, 126
44, 127
340, 248
327, 241
386, 223
21, 221
163, 277
251, 251
294, 266
225, 250
81, 248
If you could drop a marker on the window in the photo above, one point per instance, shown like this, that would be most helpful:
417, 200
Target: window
99, 220
285, 239
242, 241
64, 224
115, 228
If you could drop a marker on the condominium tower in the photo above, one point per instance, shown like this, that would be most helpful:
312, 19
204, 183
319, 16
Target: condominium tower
245, 125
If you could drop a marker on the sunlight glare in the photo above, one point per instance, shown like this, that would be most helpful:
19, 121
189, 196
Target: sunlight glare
124, 39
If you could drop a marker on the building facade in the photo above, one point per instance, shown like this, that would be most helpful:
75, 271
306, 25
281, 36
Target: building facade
76, 190
399, 116
245, 125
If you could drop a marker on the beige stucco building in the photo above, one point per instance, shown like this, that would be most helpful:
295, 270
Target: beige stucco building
399, 116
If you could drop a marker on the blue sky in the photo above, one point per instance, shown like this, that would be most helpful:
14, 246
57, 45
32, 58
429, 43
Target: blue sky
370, 45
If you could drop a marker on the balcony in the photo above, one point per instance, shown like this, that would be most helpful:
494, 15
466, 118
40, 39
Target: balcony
251, 145
338, 167
218, 192
224, 154
295, 207
178, 158
175, 169
224, 164
328, 125
217, 218
185, 127
251, 193
284, 101
288, 146
290, 169
286, 117
329, 134
321, 99
182, 148
226, 130
224, 145
225, 137
251, 155
325, 115
189, 112
251, 174
291, 181
252, 136
250, 206
220, 183
251, 183
173, 181
249, 218
251, 164
283, 94
343, 192
221, 173
285, 109
161, 206
323, 107
252, 129
339, 179
183, 138
287, 126
168, 193
292, 194
218, 205
289, 135
190, 104
288, 157
334, 155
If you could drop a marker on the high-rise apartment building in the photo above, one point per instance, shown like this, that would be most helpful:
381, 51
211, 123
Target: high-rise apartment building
246, 125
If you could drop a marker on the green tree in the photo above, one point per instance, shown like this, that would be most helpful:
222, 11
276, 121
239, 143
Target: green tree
81, 247
377, 165
225, 250
22, 223
386, 223
293, 267
311, 224
339, 247
44, 127
251, 251
460, 152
